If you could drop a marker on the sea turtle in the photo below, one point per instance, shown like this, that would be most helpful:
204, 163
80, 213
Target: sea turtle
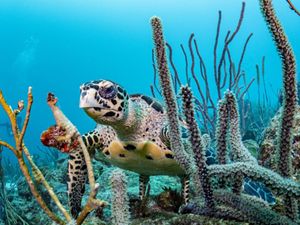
131, 133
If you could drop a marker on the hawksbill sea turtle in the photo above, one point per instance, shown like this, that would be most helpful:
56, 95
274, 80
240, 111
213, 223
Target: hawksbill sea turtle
132, 134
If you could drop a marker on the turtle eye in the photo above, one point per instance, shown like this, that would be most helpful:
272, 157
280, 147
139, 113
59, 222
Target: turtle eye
108, 92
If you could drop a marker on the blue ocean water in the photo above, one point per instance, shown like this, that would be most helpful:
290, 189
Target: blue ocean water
54, 46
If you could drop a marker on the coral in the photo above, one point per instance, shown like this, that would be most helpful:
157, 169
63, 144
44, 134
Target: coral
289, 100
273, 180
238, 151
267, 153
214, 204
255, 211
169, 96
222, 213
169, 200
54, 136
221, 136
186, 219
120, 207
289, 81
244, 164
293, 7
72, 135
197, 146
196, 74
221, 132
18, 151
37, 179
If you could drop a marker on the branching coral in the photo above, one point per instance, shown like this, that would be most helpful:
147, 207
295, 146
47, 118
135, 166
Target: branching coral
169, 96
224, 204
252, 209
293, 7
289, 98
244, 164
197, 146
221, 136
37, 177
20, 148
227, 73
221, 132
273, 180
71, 135
238, 150
241, 208
289, 85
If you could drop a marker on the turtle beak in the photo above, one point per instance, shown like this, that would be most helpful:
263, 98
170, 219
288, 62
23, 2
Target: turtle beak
84, 104
87, 99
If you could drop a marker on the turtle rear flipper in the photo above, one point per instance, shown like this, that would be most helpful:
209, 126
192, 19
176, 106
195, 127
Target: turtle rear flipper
258, 190
77, 174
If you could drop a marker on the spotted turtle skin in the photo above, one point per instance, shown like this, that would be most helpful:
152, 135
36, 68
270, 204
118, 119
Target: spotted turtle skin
132, 133
132, 130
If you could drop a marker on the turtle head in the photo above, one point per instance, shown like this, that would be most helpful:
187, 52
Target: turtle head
104, 101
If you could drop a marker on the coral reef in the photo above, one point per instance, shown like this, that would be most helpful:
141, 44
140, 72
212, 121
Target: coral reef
242, 158
224, 203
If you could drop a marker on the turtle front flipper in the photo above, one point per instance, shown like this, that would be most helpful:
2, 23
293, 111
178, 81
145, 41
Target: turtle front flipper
77, 170
77, 176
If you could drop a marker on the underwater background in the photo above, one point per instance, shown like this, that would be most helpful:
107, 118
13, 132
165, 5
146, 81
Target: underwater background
55, 46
